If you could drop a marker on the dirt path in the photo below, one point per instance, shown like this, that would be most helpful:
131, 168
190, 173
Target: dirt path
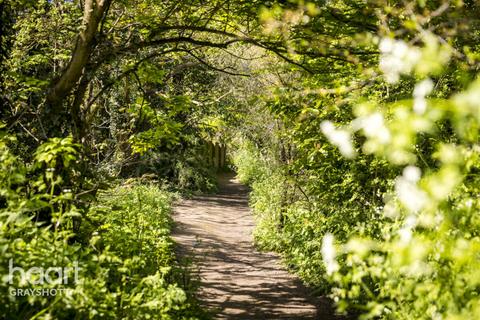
237, 281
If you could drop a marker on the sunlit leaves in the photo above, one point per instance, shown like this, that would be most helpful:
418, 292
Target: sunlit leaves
403, 210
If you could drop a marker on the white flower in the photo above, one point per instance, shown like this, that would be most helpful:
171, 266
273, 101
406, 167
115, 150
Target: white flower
412, 173
329, 254
338, 137
386, 45
405, 232
409, 194
327, 127
422, 89
373, 126
419, 105
397, 58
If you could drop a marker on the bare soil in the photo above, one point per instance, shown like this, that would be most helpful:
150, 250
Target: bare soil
237, 281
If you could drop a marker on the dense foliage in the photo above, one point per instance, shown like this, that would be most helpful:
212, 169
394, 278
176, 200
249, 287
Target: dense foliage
127, 267
369, 186
355, 122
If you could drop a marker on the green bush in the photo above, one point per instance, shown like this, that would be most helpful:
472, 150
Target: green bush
127, 267
248, 163
191, 174
377, 203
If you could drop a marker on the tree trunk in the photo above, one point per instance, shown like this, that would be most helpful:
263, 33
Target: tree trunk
94, 11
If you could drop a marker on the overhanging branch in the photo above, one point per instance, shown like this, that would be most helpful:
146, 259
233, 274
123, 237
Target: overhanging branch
208, 65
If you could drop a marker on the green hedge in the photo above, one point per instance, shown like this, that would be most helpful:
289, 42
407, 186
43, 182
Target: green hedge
121, 245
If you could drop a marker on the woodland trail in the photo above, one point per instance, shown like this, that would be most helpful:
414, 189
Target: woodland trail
237, 281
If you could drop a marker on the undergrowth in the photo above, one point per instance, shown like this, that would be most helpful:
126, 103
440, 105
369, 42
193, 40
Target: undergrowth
119, 245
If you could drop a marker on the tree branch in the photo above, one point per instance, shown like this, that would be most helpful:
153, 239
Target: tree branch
215, 68
93, 14
127, 72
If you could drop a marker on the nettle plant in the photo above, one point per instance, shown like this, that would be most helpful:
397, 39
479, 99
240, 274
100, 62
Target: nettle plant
425, 264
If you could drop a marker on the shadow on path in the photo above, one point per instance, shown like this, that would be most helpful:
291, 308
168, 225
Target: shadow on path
237, 281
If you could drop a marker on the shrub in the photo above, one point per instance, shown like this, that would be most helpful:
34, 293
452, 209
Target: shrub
378, 202
127, 267
248, 162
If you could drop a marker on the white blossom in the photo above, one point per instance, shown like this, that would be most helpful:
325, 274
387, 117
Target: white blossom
422, 89
412, 173
409, 194
405, 232
329, 254
397, 58
419, 105
373, 126
338, 137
